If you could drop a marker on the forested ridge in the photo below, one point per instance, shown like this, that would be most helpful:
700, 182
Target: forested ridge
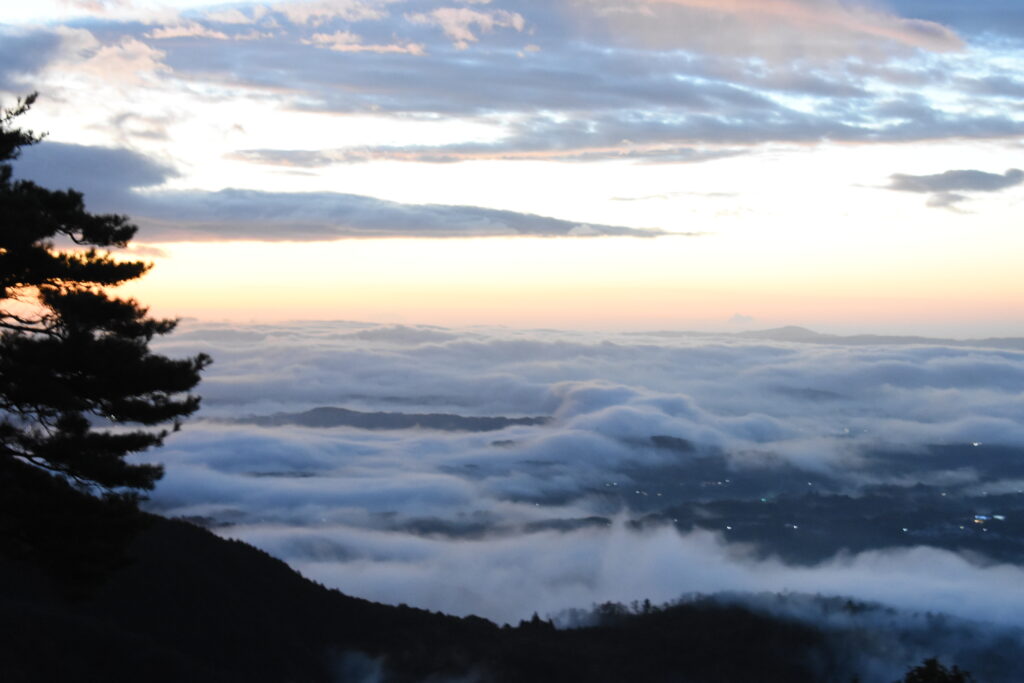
91, 591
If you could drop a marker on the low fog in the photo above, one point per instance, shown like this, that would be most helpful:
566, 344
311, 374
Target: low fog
671, 464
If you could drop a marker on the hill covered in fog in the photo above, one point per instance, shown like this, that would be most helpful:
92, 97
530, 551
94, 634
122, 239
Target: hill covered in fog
114, 598
93, 592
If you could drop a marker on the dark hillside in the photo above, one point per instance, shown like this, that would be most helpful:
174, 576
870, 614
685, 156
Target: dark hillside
173, 602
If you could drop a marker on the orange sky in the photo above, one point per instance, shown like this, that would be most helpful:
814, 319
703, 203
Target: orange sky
848, 166
673, 282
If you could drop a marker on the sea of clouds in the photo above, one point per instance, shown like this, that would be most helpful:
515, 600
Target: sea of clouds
506, 523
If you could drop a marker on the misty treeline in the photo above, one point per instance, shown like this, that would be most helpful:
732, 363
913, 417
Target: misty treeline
858, 641
191, 606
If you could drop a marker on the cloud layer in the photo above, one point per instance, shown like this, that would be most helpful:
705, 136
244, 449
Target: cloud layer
540, 518
575, 79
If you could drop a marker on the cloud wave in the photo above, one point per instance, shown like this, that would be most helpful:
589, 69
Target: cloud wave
539, 517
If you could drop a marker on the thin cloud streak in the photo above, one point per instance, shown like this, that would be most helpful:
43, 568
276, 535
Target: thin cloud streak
234, 214
946, 188
829, 15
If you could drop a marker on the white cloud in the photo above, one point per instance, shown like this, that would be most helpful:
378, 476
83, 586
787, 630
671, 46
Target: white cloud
346, 41
458, 23
126, 63
98, 6
189, 29
508, 578
322, 11
234, 15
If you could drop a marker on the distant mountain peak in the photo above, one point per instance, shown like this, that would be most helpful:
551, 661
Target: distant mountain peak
786, 333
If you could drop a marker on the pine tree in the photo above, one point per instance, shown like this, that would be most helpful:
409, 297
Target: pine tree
79, 388
932, 671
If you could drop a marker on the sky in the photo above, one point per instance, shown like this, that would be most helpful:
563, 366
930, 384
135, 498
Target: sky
592, 164
467, 176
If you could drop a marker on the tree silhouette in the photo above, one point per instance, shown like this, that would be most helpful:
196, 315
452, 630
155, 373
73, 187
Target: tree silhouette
75, 364
932, 671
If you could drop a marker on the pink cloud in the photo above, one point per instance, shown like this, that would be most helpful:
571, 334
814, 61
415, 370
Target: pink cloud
346, 41
811, 15
187, 30
458, 22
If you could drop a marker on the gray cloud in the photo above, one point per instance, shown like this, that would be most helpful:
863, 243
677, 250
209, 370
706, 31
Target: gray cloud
132, 125
722, 122
552, 147
22, 55
946, 188
994, 18
108, 177
299, 158
249, 214
589, 88
655, 138
574, 78
997, 85
790, 29
962, 181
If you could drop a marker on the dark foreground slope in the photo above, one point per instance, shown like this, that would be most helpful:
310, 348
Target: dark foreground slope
90, 594
193, 607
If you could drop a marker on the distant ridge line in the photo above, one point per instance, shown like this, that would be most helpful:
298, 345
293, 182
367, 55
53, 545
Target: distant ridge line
343, 417
802, 335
